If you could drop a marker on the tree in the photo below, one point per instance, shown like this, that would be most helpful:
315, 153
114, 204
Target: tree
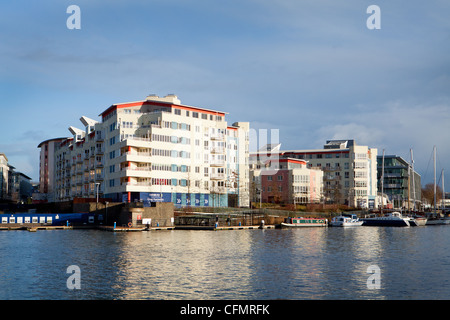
428, 193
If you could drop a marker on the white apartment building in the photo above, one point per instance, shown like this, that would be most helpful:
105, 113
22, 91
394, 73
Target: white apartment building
4, 170
349, 170
155, 150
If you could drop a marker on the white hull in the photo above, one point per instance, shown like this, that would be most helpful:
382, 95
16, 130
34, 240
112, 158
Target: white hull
304, 225
346, 220
431, 222
420, 221
346, 224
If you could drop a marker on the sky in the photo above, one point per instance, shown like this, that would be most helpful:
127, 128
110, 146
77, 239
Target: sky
311, 69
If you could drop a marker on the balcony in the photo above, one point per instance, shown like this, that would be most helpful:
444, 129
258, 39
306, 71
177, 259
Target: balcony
144, 172
138, 142
218, 150
215, 190
137, 156
217, 163
217, 176
217, 136
137, 186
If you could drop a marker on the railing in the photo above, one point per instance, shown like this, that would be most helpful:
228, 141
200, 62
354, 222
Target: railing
218, 176
217, 136
136, 169
217, 150
145, 184
217, 163
142, 154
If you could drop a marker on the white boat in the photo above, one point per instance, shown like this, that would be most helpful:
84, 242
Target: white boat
437, 220
419, 221
392, 219
301, 222
346, 220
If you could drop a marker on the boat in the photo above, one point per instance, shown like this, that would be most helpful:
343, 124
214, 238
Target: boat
300, 222
346, 220
439, 219
436, 218
391, 219
419, 221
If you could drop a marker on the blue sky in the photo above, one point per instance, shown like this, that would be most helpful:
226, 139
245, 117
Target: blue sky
311, 69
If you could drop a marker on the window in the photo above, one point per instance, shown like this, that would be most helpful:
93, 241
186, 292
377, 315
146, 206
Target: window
195, 114
204, 116
177, 111
280, 178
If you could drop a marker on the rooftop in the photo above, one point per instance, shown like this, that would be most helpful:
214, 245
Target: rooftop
170, 100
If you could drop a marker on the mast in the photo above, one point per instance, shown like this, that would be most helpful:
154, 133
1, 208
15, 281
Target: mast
434, 166
443, 192
409, 187
413, 184
382, 183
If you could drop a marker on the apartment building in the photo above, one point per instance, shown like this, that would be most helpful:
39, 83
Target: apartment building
399, 182
15, 186
46, 165
288, 181
4, 170
349, 170
156, 150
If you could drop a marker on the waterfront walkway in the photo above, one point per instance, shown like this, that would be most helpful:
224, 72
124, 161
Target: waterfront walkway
36, 226
218, 228
32, 227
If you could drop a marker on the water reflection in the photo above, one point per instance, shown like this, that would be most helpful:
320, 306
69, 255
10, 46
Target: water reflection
311, 263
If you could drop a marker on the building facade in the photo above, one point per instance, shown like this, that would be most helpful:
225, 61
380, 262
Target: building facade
46, 165
349, 171
288, 181
4, 170
15, 186
156, 150
399, 182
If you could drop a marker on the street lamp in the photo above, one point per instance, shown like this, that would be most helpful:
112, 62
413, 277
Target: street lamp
97, 184
106, 212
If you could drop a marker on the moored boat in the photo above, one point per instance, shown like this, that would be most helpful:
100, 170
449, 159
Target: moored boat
300, 222
419, 220
392, 219
437, 220
346, 220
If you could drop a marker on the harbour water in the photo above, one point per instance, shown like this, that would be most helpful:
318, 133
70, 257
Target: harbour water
297, 264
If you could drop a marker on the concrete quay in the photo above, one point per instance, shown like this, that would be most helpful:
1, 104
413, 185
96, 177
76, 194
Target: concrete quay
220, 228
32, 227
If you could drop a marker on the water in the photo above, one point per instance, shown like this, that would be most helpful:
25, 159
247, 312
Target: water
311, 263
